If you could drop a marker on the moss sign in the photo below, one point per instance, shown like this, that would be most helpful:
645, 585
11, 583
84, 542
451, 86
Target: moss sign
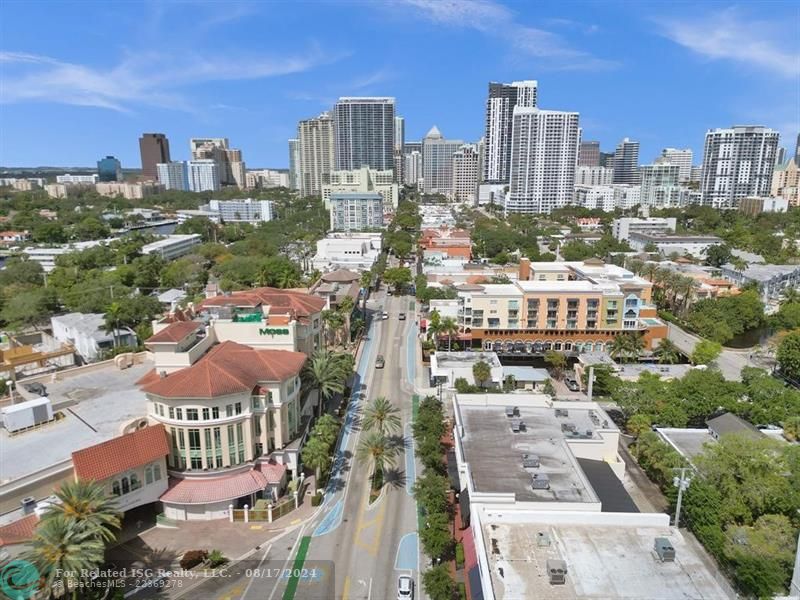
272, 331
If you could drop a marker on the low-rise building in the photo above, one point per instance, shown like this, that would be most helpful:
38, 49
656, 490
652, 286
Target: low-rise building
47, 256
229, 417
184, 215
595, 197
267, 178
692, 245
622, 228
544, 510
356, 211
173, 246
447, 241
591, 176
245, 210
447, 367
569, 307
11, 238
785, 182
771, 280
336, 285
361, 181
88, 334
67, 178
353, 251
66, 190
129, 191
755, 205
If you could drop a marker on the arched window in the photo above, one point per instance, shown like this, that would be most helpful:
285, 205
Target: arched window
126, 486
135, 483
115, 488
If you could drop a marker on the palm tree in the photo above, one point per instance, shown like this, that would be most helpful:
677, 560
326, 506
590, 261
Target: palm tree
333, 322
649, 270
378, 449
790, 295
619, 346
316, 454
667, 352
435, 327
366, 284
449, 327
323, 373
345, 309
382, 416
482, 372
112, 321
86, 503
60, 550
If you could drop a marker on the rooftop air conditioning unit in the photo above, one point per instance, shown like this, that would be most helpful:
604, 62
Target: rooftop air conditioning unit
562, 412
530, 461
511, 411
540, 481
664, 550
517, 425
556, 571
543, 539
28, 505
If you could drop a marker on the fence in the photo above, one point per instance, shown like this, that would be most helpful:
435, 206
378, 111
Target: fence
267, 513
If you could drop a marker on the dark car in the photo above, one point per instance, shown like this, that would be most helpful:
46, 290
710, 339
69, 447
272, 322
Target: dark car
402, 316
572, 385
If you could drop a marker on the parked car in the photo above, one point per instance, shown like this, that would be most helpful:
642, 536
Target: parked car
380, 362
385, 316
572, 385
402, 316
405, 588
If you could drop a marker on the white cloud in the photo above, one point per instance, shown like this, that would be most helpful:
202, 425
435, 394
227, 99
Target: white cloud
730, 35
138, 80
496, 20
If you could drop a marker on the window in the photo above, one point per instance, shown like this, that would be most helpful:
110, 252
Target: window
157, 472
240, 441
171, 413
195, 458
238, 408
229, 410
148, 475
231, 446
115, 489
205, 414
126, 485
135, 483
215, 412
179, 414
192, 414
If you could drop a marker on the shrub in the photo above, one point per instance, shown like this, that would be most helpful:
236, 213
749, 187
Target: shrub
192, 558
316, 499
459, 555
216, 558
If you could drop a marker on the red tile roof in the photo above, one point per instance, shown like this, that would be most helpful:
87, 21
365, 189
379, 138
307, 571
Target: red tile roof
19, 531
121, 453
228, 368
206, 490
174, 332
286, 301
272, 471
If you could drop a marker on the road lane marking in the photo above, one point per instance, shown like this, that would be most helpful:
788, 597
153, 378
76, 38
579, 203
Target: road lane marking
406, 557
288, 558
346, 588
411, 464
258, 569
297, 568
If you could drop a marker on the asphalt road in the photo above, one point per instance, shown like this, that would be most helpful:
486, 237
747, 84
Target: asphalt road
372, 544
730, 362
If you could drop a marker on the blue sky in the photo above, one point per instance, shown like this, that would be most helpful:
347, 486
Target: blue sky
81, 80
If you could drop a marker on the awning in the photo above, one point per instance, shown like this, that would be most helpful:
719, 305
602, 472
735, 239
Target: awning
207, 490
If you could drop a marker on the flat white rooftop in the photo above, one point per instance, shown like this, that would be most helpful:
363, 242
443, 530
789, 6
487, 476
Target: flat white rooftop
96, 405
603, 562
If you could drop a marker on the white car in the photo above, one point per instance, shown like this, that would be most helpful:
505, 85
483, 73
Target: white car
385, 316
405, 588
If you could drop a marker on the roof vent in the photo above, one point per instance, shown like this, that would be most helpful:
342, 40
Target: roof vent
543, 539
28, 505
556, 571
664, 550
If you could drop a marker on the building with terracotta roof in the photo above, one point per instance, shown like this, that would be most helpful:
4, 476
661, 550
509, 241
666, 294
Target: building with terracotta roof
230, 417
447, 242
132, 467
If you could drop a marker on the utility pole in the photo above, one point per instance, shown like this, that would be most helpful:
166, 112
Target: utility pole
591, 381
682, 483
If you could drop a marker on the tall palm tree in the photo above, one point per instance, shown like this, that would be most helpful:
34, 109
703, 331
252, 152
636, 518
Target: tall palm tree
323, 373
649, 270
60, 550
790, 295
619, 346
449, 327
317, 455
667, 352
376, 448
333, 322
112, 321
86, 503
366, 284
382, 416
434, 327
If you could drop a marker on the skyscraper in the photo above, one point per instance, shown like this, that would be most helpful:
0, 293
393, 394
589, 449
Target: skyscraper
154, 149
229, 160
109, 169
589, 154
203, 175
294, 164
682, 158
364, 133
660, 187
544, 155
437, 162
626, 162
412, 167
173, 175
399, 151
465, 174
502, 99
797, 151
781, 156
737, 162
316, 152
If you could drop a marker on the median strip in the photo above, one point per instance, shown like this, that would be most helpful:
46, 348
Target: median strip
297, 568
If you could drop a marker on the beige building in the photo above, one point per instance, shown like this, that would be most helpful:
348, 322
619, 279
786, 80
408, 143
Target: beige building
232, 169
129, 191
466, 169
361, 181
785, 182
315, 145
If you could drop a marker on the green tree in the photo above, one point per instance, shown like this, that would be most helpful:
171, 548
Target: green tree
397, 277
788, 355
548, 388
435, 536
430, 490
323, 374
377, 449
667, 352
86, 504
482, 372
718, 255
317, 455
382, 416
791, 428
49, 233
438, 583
327, 429
556, 361
29, 308
449, 327
705, 352
21, 272
639, 423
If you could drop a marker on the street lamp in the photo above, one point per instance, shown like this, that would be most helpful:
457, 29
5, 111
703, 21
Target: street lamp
682, 483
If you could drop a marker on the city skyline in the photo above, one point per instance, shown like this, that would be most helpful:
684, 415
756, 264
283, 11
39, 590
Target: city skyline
78, 79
